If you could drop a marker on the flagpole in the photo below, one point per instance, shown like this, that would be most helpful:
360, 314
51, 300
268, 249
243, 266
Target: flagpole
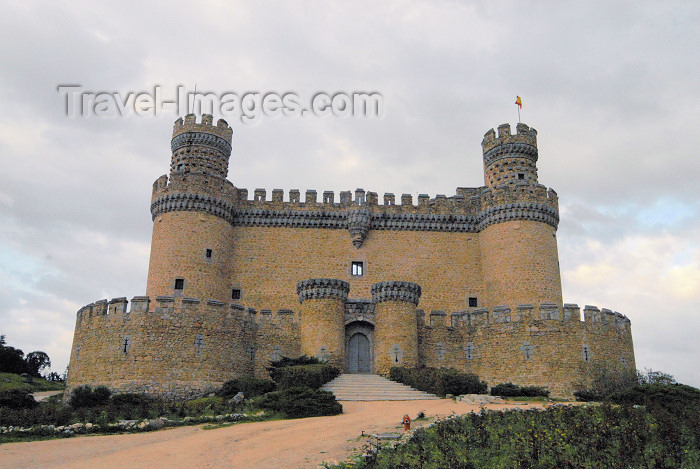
518, 114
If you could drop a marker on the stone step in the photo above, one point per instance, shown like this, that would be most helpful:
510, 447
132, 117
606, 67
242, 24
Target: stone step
356, 387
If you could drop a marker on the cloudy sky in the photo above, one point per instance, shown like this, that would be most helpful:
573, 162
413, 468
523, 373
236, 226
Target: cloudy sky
611, 87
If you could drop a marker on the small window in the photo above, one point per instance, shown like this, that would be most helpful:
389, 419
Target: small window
469, 350
235, 294
126, 344
357, 268
198, 344
521, 176
586, 353
208, 253
473, 302
527, 350
179, 283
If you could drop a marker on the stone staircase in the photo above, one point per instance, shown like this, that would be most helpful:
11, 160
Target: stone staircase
356, 387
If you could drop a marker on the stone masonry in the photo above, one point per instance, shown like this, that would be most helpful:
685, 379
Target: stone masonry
469, 281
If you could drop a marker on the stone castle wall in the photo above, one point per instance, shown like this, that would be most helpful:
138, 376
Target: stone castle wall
181, 347
542, 345
185, 348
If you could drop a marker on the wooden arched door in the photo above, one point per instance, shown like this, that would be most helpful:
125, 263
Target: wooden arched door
359, 357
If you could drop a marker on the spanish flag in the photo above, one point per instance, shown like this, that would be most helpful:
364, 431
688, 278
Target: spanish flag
519, 102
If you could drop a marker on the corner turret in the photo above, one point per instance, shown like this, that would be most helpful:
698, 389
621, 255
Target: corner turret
200, 147
510, 159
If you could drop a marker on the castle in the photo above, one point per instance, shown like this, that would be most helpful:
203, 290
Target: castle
469, 281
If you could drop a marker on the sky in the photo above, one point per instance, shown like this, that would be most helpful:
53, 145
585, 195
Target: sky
611, 87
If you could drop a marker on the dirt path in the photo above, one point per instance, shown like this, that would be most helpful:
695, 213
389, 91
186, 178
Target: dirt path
292, 444
43, 395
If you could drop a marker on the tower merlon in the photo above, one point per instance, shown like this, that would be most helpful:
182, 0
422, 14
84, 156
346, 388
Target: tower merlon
190, 124
524, 134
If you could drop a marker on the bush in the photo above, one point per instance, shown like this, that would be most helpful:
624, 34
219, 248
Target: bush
286, 361
299, 402
586, 395
86, 396
606, 380
204, 406
17, 399
135, 406
505, 390
249, 386
313, 375
513, 390
440, 381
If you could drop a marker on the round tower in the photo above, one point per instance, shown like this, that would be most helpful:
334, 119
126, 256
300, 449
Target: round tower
509, 159
322, 319
396, 325
192, 242
518, 223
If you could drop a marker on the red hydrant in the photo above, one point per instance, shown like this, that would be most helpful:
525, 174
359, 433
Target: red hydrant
406, 423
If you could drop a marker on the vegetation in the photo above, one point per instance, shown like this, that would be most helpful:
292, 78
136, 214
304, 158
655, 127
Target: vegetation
309, 371
86, 396
249, 386
439, 381
513, 390
17, 399
651, 421
312, 376
12, 360
606, 380
562, 437
302, 401
96, 409
674, 407
11, 381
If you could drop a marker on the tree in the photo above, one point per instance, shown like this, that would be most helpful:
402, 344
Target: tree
12, 360
37, 361
649, 376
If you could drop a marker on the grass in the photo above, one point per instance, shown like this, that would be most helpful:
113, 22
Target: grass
10, 382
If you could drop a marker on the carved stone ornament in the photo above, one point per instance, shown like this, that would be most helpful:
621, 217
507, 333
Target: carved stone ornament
359, 221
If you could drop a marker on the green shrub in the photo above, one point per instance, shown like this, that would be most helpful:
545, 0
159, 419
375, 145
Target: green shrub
249, 386
506, 390
672, 396
674, 406
440, 381
17, 399
606, 379
513, 390
313, 376
131, 406
586, 395
86, 396
204, 406
286, 361
299, 402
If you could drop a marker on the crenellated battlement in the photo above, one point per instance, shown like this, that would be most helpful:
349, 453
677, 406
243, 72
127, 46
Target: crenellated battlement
524, 135
168, 307
525, 313
469, 210
190, 124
